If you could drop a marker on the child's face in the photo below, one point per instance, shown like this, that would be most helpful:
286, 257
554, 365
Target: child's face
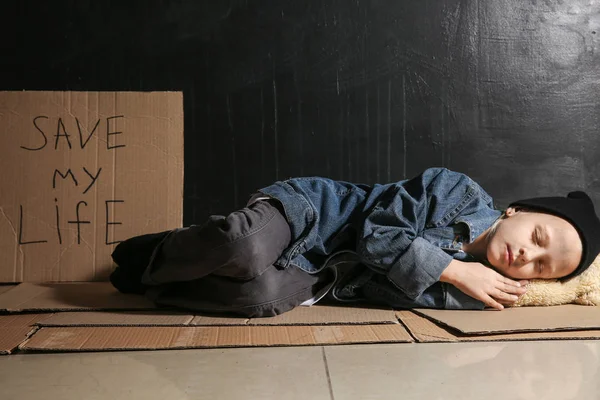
530, 245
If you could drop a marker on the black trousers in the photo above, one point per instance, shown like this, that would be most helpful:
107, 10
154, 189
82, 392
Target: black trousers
225, 265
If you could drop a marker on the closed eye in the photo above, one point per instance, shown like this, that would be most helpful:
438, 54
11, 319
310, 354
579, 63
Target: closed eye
536, 237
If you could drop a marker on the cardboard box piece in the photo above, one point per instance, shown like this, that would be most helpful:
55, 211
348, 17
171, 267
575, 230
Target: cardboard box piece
132, 322
131, 330
81, 172
521, 319
425, 330
315, 315
90, 296
170, 329
14, 329
6, 288
117, 318
46, 297
154, 338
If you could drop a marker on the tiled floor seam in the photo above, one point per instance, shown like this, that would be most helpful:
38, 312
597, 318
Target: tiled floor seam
327, 373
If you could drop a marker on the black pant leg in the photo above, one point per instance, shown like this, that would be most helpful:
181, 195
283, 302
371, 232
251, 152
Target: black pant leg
241, 246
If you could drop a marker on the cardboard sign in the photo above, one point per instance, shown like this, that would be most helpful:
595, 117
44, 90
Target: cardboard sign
82, 171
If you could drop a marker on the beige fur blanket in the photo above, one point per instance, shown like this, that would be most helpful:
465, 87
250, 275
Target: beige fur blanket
583, 289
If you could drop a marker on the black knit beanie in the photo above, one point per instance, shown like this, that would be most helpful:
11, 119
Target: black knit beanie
578, 209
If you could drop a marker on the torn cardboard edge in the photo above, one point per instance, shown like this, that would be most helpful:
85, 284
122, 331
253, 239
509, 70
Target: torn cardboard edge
424, 330
522, 319
162, 338
11, 338
14, 329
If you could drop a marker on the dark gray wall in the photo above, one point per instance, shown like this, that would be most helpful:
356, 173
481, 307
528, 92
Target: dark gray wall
506, 91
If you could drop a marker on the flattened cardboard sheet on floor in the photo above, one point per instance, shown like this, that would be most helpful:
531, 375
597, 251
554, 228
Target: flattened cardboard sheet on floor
82, 171
120, 318
330, 315
14, 329
138, 318
315, 315
6, 288
426, 331
319, 314
155, 338
46, 297
98, 296
110, 313
519, 319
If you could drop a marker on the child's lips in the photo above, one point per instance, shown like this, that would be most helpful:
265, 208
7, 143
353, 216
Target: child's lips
509, 255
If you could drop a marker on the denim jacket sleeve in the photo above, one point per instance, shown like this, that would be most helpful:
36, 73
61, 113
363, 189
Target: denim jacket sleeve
389, 240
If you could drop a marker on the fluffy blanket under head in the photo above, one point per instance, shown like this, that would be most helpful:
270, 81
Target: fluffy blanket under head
583, 289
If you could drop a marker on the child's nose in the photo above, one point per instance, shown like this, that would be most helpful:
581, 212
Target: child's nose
527, 255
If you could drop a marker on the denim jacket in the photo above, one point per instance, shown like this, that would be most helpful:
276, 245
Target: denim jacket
405, 233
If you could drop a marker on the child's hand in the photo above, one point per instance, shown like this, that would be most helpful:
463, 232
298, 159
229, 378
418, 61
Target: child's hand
483, 283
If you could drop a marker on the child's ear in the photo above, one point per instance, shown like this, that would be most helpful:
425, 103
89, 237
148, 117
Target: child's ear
510, 211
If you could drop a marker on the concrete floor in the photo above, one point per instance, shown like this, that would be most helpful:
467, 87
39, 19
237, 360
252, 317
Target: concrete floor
518, 370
